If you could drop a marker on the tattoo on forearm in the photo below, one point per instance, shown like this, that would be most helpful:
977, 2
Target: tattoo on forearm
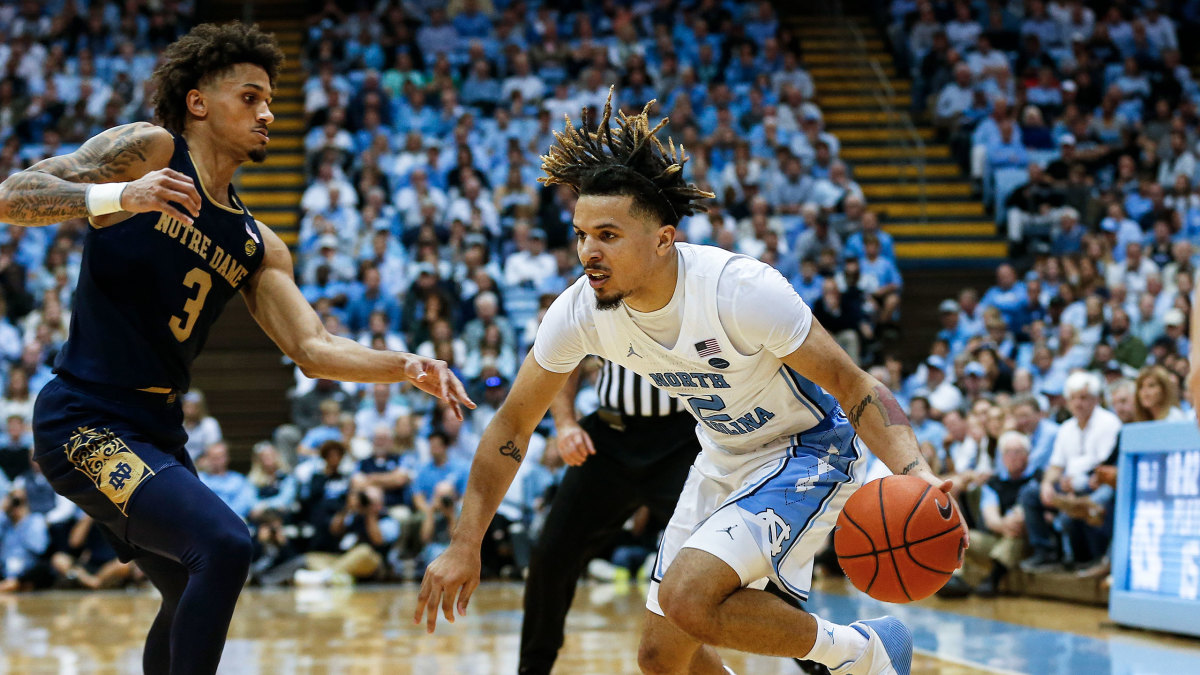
883, 401
911, 465
53, 190
510, 449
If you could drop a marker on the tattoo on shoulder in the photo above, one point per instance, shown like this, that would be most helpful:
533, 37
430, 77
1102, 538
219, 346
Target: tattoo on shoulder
911, 465
883, 401
106, 156
510, 449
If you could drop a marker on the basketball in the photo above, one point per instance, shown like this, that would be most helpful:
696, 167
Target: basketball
899, 538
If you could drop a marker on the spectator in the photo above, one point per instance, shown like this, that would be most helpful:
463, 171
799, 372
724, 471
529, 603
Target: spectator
202, 429
1127, 348
274, 486
942, 395
1008, 295
1029, 419
1000, 543
1157, 396
386, 469
16, 448
816, 238
926, 429
23, 541
1083, 442
231, 486
323, 482
529, 263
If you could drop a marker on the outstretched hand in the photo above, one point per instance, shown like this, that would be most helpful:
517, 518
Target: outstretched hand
435, 377
452, 575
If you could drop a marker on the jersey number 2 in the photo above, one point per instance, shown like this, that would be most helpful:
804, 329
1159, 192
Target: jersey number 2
182, 327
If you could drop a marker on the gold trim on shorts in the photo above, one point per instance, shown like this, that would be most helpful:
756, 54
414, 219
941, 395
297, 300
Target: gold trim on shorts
115, 470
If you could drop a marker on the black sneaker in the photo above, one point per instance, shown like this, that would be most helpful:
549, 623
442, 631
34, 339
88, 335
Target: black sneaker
955, 588
986, 588
1041, 561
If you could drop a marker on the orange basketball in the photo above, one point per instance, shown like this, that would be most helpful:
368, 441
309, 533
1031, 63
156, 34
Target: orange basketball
899, 539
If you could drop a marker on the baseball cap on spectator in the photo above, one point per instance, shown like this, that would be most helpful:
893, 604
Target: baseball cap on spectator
975, 368
426, 268
1109, 224
537, 233
1067, 139
474, 239
948, 307
1174, 317
1069, 85
935, 361
1113, 365
327, 241
1032, 275
1052, 386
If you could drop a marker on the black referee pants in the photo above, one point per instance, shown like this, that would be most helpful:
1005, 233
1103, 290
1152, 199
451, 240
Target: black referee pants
589, 509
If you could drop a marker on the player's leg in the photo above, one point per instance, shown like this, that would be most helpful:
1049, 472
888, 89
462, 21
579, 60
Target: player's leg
177, 517
771, 528
589, 509
705, 598
170, 578
665, 650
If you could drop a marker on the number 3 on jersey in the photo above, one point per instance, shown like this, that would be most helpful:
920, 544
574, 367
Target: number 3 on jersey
201, 280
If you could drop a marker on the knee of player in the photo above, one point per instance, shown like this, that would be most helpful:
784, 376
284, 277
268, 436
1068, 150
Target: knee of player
654, 660
234, 547
687, 606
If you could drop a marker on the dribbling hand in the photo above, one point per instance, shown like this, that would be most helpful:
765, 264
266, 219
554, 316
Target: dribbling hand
435, 377
453, 574
574, 445
155, 191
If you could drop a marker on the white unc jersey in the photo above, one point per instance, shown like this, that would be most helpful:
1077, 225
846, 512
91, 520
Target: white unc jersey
748, 406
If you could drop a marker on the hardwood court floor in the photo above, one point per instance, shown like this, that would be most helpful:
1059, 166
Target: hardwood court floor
368, 631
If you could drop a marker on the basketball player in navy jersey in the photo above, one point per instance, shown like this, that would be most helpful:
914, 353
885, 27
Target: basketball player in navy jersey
169, 244
767, 386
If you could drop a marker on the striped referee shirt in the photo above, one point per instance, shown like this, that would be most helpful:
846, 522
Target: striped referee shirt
632, 394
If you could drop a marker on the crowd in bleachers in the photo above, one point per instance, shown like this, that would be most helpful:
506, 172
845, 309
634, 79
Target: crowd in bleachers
1077, 120
423, 228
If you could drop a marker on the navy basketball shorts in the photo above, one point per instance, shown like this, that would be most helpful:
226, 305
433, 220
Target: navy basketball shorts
97, 445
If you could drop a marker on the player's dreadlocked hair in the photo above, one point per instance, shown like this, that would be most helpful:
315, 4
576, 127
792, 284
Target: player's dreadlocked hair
624, 160
206, 51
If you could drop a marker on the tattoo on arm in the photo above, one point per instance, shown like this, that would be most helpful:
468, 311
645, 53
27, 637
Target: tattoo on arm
54, 189
911, 465
883, 401
510, 449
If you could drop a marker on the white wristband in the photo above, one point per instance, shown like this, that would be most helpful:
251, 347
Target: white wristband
104, 198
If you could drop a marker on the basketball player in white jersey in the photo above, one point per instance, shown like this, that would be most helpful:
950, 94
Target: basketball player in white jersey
765, 381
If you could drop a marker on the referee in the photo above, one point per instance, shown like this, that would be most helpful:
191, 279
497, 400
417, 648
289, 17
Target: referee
635, 450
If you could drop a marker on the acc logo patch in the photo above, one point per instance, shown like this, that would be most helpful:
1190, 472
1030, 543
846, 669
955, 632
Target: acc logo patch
115, 469
717, 362
251, 247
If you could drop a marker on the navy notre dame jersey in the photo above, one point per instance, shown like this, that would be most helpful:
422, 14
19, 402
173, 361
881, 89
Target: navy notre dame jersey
151, 287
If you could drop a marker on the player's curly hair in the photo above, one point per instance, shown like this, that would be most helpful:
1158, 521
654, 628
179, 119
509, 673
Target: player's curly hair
206, 51
627, 159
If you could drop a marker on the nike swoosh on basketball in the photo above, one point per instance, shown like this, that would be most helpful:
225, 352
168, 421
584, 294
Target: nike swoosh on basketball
947, 510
